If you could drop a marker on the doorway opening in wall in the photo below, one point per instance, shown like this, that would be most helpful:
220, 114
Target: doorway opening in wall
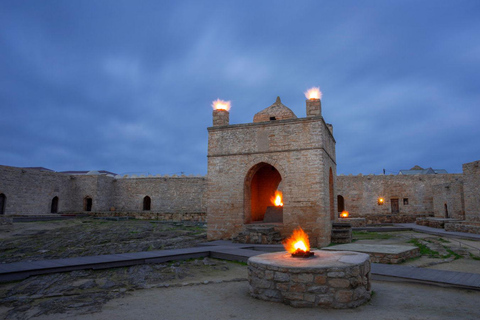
54, 205
146, 203
446, 211
394, 205
87, 204
3, 201
340, 204
261, 182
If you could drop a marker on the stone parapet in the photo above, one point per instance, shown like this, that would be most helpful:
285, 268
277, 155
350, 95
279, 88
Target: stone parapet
467, 227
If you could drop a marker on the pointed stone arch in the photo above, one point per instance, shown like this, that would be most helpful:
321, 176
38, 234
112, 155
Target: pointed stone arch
261, 182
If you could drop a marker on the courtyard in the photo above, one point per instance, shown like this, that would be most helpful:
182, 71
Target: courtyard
202, 288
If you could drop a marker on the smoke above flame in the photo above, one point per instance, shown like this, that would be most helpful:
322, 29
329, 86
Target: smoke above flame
313, 93
221, 105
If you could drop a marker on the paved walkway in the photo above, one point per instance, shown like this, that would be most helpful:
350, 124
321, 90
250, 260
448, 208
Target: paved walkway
227, 251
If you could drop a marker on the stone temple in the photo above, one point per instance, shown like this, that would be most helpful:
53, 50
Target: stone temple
247, 164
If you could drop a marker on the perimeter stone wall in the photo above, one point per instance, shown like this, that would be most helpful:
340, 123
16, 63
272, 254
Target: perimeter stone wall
171, 195
471, 190
30, 191
361, 195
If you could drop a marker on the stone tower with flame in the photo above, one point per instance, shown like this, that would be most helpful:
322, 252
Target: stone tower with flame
248, 162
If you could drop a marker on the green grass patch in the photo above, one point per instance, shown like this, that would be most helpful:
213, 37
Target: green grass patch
474, 257
424, 250
366, 235
443, 240
452, 253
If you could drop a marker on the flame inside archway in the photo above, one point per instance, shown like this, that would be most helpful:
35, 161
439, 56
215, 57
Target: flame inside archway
277, 200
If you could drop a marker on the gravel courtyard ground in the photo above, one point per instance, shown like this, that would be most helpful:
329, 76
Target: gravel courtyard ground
204, 288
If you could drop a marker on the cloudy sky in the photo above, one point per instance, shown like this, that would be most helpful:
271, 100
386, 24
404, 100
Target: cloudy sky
127, 86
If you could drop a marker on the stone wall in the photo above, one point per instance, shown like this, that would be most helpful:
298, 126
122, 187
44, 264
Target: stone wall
471, 189
167, 194
448, 200
415, 194
30, 191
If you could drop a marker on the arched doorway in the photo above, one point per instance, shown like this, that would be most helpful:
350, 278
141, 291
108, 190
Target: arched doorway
54, 206
261, 182
3, 201
87, 204
332, 200
146, 203
340, 203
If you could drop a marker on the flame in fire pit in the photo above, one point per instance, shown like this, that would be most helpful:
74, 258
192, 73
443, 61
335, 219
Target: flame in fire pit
221, 105
313, 93
278, 199
297, 242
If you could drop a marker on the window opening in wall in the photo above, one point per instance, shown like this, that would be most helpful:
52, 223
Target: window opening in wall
405, 201
87, 204
146, 203
273, 118
340, 203
395, 206
446, 211
3, 201
54, 206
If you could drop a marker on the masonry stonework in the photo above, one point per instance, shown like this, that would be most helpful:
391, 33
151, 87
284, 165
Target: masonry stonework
301, 150
414, 194
471, 190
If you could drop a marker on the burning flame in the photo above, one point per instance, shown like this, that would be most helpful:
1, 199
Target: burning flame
221, 105
344, 214
278, 199
313, 93
298, 241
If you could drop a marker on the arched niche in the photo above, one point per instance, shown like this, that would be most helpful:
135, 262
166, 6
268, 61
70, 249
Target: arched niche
261, 182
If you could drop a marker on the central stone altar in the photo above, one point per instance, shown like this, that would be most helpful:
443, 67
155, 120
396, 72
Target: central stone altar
329, 279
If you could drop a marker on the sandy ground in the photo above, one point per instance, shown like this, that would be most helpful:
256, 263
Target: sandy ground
231, 301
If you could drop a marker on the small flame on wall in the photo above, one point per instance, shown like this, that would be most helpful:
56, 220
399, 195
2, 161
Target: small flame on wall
221, 105
344, 214
313, 93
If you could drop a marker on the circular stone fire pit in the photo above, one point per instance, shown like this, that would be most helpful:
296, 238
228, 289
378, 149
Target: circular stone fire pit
329, 279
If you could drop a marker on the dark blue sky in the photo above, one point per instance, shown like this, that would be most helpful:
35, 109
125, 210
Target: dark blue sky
127, 86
